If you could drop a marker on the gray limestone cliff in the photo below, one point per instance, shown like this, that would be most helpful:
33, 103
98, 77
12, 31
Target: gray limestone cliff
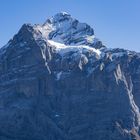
59, 82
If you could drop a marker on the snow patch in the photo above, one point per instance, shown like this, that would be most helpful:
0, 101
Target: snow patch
91, 39
57, 115
58, 75
63, 49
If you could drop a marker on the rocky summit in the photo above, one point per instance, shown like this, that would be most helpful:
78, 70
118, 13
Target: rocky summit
59, 82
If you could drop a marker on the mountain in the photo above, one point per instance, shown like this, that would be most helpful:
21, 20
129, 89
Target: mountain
59, 82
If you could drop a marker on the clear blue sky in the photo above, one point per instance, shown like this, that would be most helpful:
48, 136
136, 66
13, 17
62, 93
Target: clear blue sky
116, 22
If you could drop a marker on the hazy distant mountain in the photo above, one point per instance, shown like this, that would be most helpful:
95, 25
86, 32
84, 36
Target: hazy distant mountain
59, 82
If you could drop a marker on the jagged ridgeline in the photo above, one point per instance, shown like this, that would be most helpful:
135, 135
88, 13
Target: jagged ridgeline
59, 82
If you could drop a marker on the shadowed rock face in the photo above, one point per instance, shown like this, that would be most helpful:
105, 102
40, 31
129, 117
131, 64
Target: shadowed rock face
58, 82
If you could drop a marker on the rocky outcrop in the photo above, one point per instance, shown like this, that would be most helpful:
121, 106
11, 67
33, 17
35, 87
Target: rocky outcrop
59, 82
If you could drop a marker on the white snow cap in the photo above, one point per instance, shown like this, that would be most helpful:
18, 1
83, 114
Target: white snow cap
65, 29
67, 34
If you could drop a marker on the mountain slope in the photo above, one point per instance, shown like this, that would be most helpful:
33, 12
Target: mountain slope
59, 82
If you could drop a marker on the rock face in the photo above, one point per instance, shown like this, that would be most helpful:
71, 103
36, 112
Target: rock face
59, 82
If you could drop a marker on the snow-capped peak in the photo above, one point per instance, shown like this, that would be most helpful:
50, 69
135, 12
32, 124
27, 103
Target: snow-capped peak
65, 29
